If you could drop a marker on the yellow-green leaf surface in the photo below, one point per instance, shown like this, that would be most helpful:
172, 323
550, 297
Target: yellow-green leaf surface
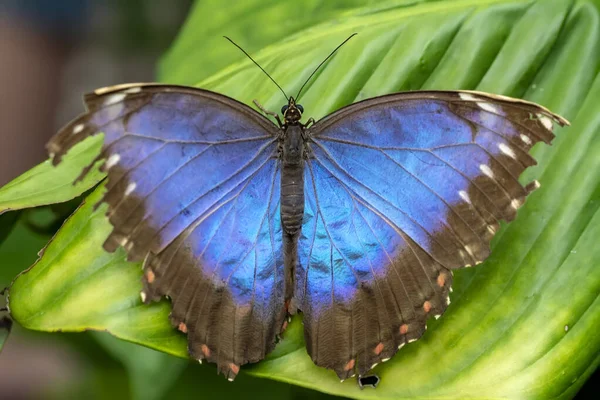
252, 24
45, 184
524, 324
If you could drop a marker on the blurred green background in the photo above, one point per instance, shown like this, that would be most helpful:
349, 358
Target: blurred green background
123, 41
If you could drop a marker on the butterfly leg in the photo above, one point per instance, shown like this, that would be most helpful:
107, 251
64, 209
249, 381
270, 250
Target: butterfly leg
310, 121
267, 112
280, 140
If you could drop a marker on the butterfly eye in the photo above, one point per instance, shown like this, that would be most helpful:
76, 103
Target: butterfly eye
284, 109
300, 108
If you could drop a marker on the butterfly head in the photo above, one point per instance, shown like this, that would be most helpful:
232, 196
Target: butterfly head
292, 112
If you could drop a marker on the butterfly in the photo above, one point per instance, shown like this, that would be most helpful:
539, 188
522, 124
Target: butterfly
357, 220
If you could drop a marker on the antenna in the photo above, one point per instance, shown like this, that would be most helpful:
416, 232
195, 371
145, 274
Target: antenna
261, 68
323, 62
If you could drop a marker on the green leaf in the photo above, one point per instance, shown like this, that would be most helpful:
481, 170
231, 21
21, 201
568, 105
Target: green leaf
252, 24
524, 323
7, 222
45, 184
19, 250
84, 287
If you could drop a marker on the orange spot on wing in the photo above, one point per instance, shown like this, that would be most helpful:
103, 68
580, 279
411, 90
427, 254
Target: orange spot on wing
378, 349
150, 276
182, 327
205, 350
404, 329
234, 368
441, 279
427, 306
349, 365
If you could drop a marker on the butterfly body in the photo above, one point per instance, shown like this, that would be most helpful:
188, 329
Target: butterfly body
357, 220
293, 153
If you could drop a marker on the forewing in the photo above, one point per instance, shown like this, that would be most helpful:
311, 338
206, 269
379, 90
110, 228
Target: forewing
400, 190
193, 189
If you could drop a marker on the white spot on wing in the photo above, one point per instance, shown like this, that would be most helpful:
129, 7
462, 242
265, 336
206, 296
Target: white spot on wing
469, 250
437, 316
525, 139
143, 296
491, 229
133, 90
489, 107
463, 195
412, 340
385, 359
507, 150
401, 345
112, 161
467, 97
448, 300
78, 128
486, 170
373, 366
130, 188
546, 121
515, 204
114, 99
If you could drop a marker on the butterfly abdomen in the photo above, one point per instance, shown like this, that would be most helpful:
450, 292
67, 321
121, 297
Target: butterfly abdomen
292, 181
292, 198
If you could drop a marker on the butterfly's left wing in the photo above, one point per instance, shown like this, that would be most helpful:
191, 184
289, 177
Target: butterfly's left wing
401, 190
193, 190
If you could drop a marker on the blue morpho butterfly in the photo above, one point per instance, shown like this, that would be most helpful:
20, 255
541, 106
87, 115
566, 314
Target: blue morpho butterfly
357, 220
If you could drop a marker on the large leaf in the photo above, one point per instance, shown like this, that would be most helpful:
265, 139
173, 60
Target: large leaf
524, 323
253, 24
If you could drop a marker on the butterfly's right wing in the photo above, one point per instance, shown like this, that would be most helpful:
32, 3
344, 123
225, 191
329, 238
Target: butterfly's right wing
401, 190
193, 188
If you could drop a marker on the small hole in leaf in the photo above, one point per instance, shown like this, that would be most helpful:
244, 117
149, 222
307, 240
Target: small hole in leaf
368, 381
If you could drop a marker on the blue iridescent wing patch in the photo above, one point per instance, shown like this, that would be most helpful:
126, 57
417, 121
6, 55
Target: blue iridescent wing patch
193, 188
401, 190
